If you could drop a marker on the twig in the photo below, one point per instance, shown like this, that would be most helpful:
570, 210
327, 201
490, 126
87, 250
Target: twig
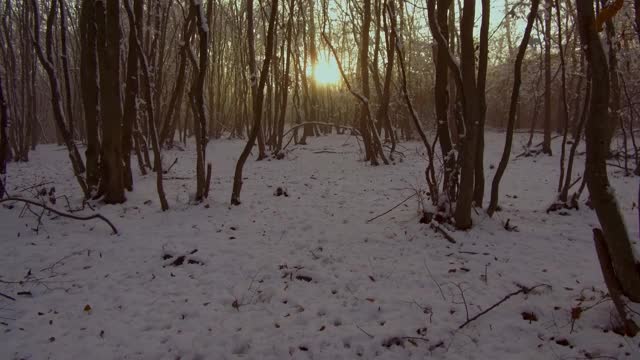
7, 296
361, 329
575, 182
393, 208
51, 267
523, 290
171, 166
414, 338
434, 280
464, 300
35, 186
63, 214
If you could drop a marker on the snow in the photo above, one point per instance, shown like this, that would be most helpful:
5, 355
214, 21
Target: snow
303, 276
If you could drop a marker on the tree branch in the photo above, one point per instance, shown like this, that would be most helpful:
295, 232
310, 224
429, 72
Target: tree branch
63, 214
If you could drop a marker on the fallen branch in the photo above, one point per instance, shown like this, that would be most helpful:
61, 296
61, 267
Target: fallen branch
393, 208
523, 290
63, 214
444, 233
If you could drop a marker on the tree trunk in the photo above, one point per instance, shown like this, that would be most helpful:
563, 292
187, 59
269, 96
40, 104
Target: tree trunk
131, 96
173, 111
546, 144
471, 118
197, 94
515, 96
109, 34
370, 154
4, 139
65, 68
146, 78
383, 111
564, 104
56, 97
259, 96
614, 101
442, 101
483, 58
89, 87
602, 194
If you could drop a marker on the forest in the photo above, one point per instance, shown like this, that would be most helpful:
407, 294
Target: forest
319, 179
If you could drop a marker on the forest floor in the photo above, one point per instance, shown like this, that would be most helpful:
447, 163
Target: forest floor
304, 276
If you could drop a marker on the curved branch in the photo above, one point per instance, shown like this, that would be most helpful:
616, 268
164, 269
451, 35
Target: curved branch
60, 213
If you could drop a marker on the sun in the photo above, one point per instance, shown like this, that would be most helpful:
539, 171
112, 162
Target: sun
326, 71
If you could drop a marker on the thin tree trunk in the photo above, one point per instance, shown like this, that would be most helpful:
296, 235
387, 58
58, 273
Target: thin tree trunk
56, 98
131, 95
565, 105
464, 202
157, 159
197, 94
546, 144
383, 111
483, 58
173, 111
89, 86
65, 68
515, 96
286, 76
259, 96
4, 139
441, 94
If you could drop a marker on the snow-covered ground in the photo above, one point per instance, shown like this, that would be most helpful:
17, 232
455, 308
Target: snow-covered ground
304, 276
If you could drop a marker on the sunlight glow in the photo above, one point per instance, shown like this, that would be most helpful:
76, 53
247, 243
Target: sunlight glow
326, 71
